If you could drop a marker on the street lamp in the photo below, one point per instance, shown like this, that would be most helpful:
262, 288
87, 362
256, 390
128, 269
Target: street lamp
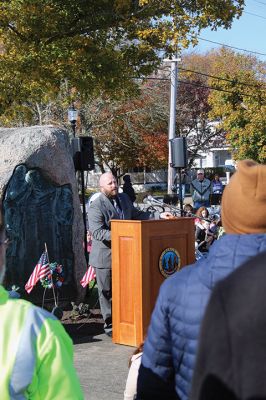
72, 117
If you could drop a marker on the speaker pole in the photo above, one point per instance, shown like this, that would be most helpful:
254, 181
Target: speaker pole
172, 119
180, 192
84, 209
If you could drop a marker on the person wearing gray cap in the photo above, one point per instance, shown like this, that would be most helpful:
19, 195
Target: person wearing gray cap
200, 190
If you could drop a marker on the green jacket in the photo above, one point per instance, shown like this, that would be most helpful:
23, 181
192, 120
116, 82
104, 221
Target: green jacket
36, 354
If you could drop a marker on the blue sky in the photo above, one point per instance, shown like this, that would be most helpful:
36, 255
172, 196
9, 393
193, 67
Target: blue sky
249, 32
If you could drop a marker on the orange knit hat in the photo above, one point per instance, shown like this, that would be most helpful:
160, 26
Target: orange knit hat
244, 199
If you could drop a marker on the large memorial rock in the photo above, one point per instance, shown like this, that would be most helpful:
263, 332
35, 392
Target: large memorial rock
41, 205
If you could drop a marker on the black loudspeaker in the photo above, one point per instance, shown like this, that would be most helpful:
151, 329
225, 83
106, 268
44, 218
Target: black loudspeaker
83, 153
179, 152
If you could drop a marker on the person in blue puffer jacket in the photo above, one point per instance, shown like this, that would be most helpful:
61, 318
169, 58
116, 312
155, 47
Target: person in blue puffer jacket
171, 344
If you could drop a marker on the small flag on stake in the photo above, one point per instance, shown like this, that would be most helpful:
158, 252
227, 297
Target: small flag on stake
89, 276
41, 270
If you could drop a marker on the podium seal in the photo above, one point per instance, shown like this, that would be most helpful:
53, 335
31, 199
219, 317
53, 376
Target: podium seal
169, 262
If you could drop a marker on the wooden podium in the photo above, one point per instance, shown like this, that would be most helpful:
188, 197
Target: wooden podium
137, 247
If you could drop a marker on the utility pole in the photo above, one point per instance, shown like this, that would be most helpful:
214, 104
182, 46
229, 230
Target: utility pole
172, 119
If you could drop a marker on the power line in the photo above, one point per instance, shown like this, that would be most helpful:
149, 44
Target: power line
232, 47
220, 78
236, 82
260, 2
150, 78
214, 88
197, 85
253, 14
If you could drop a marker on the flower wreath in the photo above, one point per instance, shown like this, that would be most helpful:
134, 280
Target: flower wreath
55, 277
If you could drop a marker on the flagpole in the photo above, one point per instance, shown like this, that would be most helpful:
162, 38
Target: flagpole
55, 302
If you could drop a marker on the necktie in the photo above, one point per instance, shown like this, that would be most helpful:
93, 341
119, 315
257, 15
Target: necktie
117, 209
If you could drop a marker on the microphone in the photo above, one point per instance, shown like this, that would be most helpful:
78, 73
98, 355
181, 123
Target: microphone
162, 204
153, 200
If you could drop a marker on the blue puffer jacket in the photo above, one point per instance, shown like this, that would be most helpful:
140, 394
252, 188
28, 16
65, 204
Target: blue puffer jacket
170, 347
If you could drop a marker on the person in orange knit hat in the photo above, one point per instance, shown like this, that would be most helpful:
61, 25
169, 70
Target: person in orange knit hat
244, 199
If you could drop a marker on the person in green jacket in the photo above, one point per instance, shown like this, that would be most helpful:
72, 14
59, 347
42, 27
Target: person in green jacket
36, 354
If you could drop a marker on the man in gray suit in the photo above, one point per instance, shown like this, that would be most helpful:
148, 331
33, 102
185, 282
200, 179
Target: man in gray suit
109, 205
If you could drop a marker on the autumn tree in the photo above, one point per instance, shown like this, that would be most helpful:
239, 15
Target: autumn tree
192, 116
239, 103
128, 133
97, 45
192, 108
133, 131
142, 122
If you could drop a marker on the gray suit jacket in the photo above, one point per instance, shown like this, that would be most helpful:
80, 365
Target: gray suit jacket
100, 213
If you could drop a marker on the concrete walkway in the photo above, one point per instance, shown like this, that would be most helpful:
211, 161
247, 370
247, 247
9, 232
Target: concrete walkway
102, 367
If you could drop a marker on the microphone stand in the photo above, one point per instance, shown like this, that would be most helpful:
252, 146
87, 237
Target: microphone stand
175, 209
161, 203
180, 192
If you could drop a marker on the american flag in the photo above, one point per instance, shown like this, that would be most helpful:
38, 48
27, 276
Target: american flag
41, 270
89, 276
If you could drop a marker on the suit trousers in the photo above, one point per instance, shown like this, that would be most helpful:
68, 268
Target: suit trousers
104, 283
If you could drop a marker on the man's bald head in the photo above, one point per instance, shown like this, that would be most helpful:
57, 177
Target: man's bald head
108, 184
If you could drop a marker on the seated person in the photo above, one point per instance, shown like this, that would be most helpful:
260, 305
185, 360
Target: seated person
134, 364
201, 236
201, 227
188, 210
213, 229
201, 213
